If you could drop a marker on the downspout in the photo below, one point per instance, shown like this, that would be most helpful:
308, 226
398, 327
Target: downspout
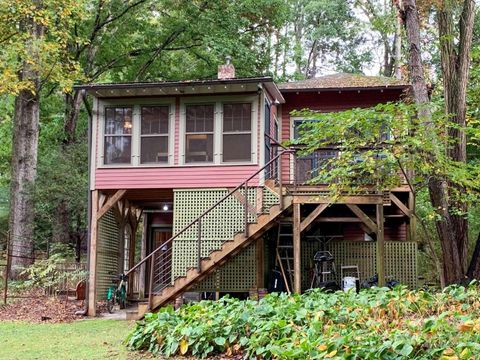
84, 311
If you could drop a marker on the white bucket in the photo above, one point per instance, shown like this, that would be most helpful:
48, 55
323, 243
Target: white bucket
348, 283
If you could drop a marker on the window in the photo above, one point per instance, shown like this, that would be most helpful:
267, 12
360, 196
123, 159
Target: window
237, 132
118, 135
154, 134
199, 133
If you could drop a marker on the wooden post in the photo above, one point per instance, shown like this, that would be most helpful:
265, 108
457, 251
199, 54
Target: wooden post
260, 265
380, 246
413, 220
92, 276
297, 274
143, 254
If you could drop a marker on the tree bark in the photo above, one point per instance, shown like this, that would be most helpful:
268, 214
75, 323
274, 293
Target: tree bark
455, 61
473, 271
450, 230
24, 154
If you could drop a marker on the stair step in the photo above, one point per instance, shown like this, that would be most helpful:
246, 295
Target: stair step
218, 257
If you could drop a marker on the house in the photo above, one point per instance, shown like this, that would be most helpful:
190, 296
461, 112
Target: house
192, 189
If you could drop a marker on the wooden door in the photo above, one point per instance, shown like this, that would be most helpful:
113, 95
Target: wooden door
163, 257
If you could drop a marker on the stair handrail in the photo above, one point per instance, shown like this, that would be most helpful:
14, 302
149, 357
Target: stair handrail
244, 184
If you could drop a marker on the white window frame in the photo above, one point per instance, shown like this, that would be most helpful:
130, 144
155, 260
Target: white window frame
185, 133
219, 101
167, 135
252, 112
136, 104
105, 135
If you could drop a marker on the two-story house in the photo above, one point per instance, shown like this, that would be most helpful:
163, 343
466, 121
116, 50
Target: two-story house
201, 166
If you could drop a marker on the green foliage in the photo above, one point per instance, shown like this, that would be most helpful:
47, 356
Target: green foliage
36, 34
385, 144
50, 273
375, 324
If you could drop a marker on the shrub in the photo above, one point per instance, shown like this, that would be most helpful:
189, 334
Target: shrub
375, 324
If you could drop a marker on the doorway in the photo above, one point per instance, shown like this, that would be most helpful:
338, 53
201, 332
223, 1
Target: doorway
162, 275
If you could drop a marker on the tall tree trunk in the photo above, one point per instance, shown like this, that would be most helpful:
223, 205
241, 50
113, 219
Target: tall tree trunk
455, 61
73, 103
473, 271
451, 229
24, 169
24, 153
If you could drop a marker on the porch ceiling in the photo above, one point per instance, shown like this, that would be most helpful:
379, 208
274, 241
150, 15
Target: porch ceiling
146, 198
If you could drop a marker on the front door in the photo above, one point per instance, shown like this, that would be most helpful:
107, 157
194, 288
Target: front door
162, 275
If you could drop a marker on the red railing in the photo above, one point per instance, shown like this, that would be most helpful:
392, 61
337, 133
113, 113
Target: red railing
160, 260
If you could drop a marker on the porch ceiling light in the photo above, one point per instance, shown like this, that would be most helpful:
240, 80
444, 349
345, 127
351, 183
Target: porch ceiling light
165, 207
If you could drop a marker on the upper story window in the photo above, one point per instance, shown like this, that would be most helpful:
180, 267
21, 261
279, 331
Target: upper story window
118, 135
237, 132
199, 133
154, 134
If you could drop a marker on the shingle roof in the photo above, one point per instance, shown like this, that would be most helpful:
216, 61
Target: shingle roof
343, 81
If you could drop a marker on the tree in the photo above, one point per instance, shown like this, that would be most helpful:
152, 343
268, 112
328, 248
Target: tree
33, 37
430, 142
455, 58
386, 25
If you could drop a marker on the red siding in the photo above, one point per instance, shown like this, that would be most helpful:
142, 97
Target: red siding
329, 101
174, 177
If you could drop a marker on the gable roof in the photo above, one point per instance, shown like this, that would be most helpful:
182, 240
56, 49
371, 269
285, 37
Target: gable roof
343, 81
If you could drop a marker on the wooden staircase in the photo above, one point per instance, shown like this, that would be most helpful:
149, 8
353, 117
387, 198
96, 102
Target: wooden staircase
217, 258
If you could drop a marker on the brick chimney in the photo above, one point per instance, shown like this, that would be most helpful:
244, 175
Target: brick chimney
226, 71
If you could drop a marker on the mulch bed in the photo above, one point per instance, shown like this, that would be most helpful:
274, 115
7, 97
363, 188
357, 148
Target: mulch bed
36, 307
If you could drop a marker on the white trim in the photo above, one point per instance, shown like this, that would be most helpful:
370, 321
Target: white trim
218, 102
135, 104
93, 143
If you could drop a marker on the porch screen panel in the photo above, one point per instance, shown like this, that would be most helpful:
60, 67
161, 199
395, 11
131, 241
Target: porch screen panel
154, 134
199, 133
237, 132
118, 135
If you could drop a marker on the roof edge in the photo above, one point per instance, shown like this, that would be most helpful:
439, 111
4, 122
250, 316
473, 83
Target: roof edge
383, 87
136, 85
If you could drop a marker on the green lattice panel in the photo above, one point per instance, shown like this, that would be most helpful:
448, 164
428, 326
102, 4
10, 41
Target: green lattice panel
400, 259
220, 225
401, 262
269, 198
108, 253
237, 275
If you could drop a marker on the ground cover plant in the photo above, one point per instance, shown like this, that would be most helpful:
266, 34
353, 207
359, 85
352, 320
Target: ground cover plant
375, 324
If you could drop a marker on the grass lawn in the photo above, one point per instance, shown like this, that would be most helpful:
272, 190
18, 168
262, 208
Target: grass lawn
88, 339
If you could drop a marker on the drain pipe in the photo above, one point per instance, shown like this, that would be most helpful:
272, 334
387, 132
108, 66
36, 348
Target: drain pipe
84, 311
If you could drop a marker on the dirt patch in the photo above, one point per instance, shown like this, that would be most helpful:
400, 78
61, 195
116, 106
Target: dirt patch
35, 307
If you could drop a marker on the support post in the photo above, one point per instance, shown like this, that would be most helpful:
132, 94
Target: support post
280, 183
297, 275
92, 271
380, 246
143, 254
413, 219
199, 246
245, 210
260, 265
150, 282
